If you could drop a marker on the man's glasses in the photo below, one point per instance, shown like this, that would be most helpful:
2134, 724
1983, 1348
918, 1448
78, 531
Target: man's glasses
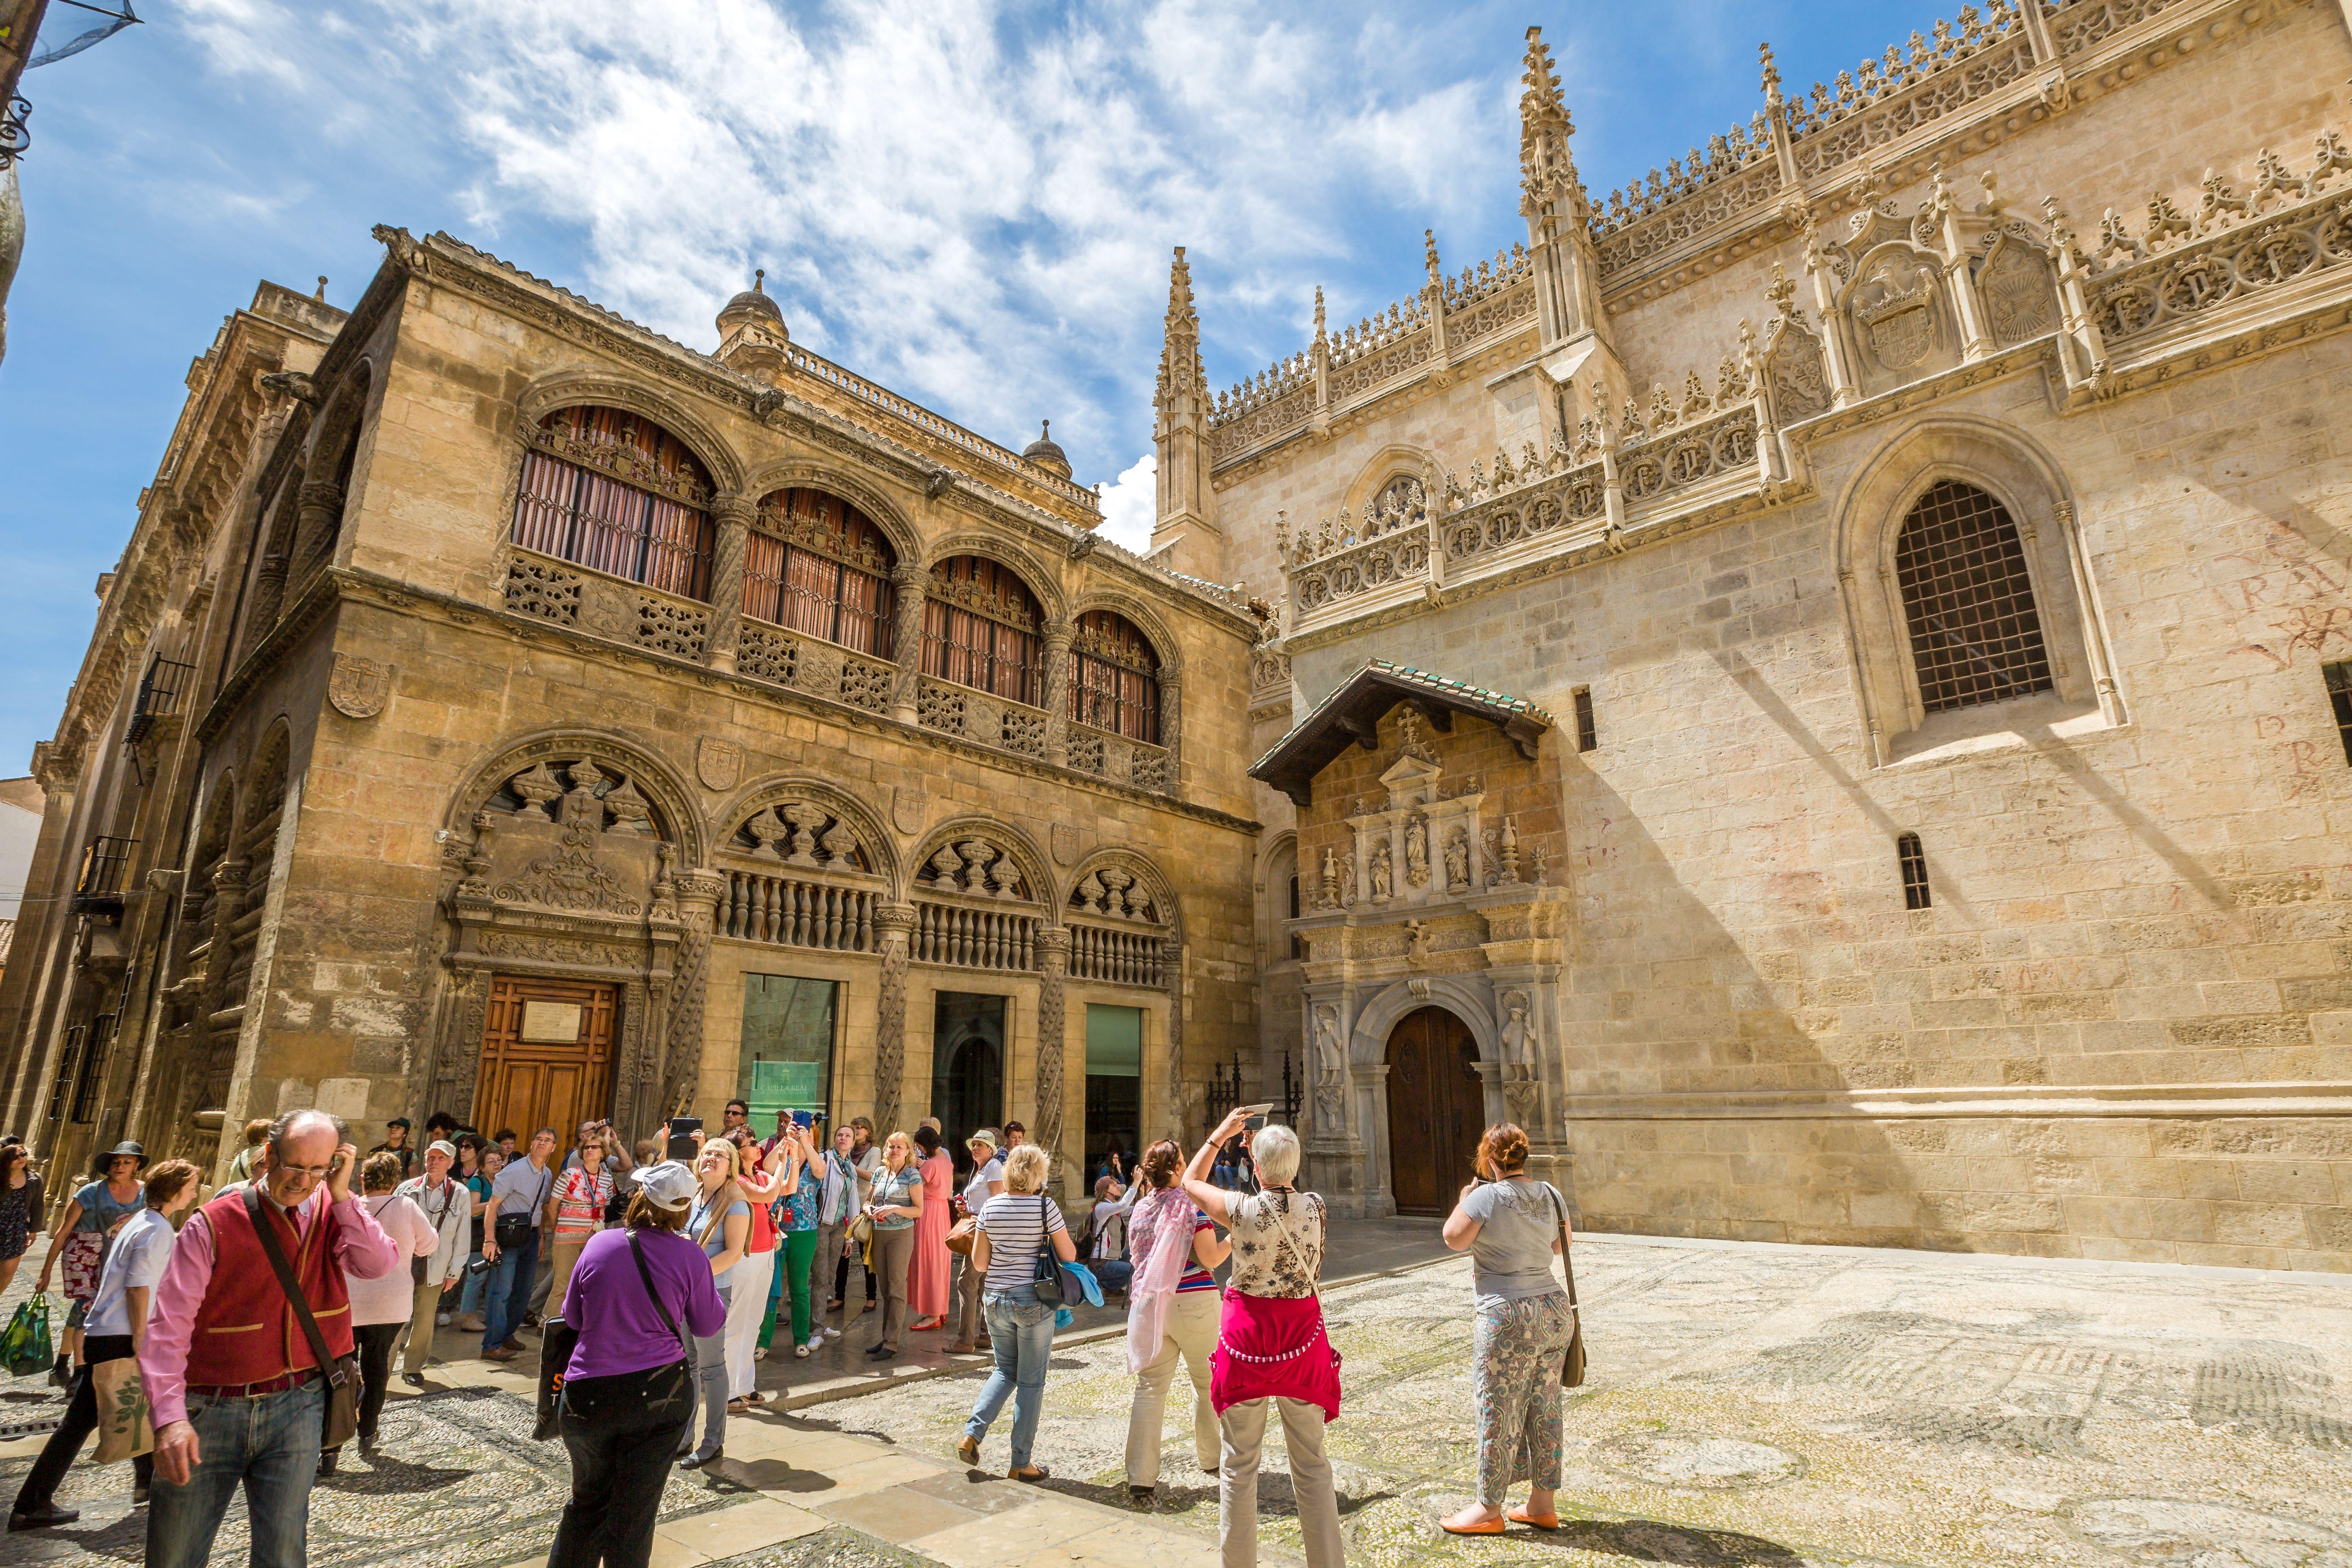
308, 1173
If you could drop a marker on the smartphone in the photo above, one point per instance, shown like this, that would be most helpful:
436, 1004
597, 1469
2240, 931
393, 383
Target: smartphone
681, 1138
804, 1119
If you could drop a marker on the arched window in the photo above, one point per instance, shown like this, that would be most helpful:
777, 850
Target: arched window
817, 564
1114, 678
980, 630
613, 490
1975, 636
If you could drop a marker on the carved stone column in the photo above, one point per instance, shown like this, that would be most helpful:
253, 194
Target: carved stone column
734, 512
211, 1081
1057, 693
680, 1069
895, 922
907, 638
1172, 731
1173, 966
268, 594
1053, 963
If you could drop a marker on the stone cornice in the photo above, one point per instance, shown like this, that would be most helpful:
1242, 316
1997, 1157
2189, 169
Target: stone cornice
2202, 1100
343, 584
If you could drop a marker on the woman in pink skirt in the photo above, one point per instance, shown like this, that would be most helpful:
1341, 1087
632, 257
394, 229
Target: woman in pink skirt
928, 1270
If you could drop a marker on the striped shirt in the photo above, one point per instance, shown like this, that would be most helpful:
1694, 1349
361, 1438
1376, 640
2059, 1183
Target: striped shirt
1015, 1234
1142, 1233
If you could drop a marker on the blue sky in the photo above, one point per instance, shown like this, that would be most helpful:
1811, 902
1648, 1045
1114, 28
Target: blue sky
972, 202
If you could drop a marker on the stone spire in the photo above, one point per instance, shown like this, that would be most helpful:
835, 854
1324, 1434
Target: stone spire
1180, 436
1547, 181
1577, 347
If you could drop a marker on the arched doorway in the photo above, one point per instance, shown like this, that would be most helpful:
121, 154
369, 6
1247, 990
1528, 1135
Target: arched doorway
967, 1069
1437, 1108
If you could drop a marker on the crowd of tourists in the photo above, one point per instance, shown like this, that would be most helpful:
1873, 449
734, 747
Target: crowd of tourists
663, 1282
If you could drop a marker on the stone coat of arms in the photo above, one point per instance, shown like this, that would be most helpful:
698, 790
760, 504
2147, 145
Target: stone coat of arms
358, 687
717, 763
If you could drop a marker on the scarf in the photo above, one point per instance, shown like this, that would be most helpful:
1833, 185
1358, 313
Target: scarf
1168, 1212
840, 1179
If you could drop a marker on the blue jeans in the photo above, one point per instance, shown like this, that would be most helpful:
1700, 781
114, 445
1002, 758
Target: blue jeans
469, 1297
269, 1444
1020, 1338
511, 1278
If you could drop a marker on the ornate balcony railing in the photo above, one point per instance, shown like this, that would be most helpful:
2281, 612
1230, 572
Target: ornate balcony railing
98, 887
1116, 757
765, 651
974, 938
981, 716
1130, 957
798, 911
2188, 265
613, 608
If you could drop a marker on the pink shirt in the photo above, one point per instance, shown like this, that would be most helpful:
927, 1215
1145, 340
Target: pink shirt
361, 1246
390, 1297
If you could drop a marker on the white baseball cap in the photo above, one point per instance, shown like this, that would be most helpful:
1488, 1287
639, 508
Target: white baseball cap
668, 1185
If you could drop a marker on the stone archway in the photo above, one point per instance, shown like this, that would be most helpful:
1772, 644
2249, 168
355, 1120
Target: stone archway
1436, 1108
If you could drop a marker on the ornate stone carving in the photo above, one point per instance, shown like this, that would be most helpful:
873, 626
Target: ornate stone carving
359, 688
717, 762
570, 879
890, 1013
1457, 862
536, 789
543, 591
1053, 950
1065, 839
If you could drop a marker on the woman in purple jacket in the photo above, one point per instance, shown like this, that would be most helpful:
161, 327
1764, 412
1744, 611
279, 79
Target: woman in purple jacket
627, 1390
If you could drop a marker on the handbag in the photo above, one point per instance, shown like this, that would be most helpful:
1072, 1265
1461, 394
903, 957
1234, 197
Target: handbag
126, 1426
1572, 1366
519, 1237
960, 1236
1045, 1275
24, 1347
342, 1372
558, 1340
416, 1263
656, 1389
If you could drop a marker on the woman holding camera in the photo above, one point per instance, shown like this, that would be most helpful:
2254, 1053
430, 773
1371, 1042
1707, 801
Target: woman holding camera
1172, 1311
720, 1222
1512, 1227
1271, 1346
628, 1391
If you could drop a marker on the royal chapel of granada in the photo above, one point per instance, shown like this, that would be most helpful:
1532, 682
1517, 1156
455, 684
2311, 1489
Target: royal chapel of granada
1819, 684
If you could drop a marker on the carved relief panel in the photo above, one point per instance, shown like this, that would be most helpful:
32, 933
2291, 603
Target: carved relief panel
1900, 319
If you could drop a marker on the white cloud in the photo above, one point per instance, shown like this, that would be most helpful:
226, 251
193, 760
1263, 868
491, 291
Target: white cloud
970, 201
1129, 506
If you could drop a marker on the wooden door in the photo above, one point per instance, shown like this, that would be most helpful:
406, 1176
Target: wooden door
1437, 1109
547, 1056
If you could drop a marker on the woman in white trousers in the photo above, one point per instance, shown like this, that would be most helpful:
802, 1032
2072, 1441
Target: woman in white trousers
748, 1305
1167, 1226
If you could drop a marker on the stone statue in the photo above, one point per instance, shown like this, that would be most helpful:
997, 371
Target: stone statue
1329, 896
1417, 852
1457, 862
1331, 1062
1383, 875
1416, 942
1518, 1039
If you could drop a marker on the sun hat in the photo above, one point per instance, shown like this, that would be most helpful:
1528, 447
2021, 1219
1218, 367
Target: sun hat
668, 1185
985, 1135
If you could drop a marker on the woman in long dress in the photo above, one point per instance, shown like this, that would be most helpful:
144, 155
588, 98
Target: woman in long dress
926, 1278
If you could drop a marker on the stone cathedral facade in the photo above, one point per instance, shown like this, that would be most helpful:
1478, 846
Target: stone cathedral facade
1820, 685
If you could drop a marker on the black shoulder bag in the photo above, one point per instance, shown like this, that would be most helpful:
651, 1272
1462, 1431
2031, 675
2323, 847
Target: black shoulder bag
342, 1372
1046, 1274
660, 1391
1571, 1367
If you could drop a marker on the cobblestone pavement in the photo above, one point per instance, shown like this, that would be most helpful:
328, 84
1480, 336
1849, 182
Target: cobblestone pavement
1771, 1407
1780, 1406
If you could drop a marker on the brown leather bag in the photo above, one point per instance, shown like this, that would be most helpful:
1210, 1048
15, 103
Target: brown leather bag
1572, 1366
961, 1234
341, 1373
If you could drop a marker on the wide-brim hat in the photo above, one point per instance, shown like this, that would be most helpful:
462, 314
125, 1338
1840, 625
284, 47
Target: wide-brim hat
985, 1135
129, 1149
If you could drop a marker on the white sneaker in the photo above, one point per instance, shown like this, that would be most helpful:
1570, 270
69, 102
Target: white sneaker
444, 1320
801, 1351
831, 1334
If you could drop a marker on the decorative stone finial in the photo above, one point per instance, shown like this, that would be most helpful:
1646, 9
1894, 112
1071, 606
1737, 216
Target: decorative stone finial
321, 295
1771, 76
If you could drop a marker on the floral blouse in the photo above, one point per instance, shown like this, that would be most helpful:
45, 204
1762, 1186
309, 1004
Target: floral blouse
1277, 1243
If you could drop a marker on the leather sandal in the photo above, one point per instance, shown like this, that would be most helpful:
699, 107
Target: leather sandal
969, 1451
1491, 1527
1033, 1475
1541, 1520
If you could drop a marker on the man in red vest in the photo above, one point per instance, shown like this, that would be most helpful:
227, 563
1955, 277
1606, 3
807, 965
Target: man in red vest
234, 1384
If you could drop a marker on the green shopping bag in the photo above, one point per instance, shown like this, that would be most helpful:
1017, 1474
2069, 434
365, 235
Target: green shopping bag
25, 1346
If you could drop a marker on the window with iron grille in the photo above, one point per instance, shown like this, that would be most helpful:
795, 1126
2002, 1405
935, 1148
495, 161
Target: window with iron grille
2339, 697
1914, 862
980, 630
817, 564
615, 491
86, 1077
68, 1070
1588, 739
1975, 634
1114, 678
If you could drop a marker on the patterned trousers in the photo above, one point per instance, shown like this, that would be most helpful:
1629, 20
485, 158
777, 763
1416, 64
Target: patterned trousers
1516, 1350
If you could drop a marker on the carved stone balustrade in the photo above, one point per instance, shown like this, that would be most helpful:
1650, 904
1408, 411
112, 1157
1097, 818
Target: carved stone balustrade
765, 651
608, 608
798, 911
969, 936
1132, 956
981, 716
1123, 761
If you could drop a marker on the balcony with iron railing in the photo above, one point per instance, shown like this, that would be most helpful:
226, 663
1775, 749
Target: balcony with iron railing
98, 887
157, 697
